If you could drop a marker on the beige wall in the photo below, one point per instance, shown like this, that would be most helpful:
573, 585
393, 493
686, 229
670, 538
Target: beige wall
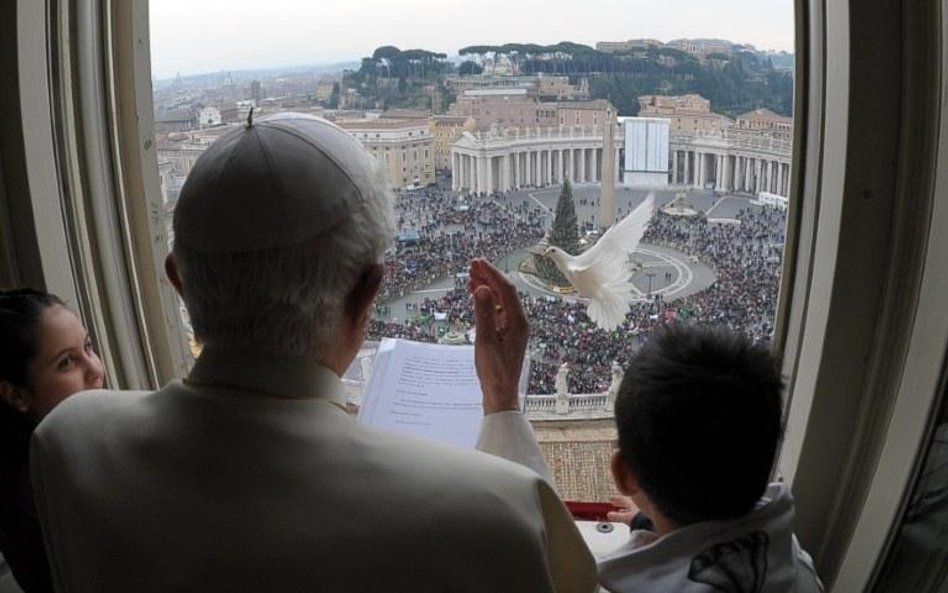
518, 111
403, 148
444, 131
587, 113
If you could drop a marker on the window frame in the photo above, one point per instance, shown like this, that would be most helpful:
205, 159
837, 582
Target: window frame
72, 197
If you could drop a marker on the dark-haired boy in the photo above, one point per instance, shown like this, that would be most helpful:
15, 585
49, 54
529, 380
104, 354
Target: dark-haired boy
699, 420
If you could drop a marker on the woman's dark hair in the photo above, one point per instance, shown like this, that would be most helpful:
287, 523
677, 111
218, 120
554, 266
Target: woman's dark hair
20, 313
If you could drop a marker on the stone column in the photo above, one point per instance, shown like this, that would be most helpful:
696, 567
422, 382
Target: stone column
454, 172
517, 182
505, 172
686, 179
596, 175
607, 202
538, 168
728, 174
549, 167
474, 173
581, 175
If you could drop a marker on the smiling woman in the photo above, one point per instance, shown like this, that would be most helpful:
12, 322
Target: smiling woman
45, 356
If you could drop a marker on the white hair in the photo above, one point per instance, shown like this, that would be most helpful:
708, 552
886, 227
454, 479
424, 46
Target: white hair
287, 301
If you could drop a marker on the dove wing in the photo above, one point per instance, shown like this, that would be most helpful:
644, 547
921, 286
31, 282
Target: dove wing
612, 250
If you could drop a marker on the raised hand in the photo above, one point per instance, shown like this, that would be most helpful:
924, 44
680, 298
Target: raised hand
501, 340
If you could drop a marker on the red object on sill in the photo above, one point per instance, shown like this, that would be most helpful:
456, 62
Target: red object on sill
589, 511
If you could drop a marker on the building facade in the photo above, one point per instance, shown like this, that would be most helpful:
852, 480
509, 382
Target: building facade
503, 107
584, 113
518, 108
445, 130
686, 113
404, 148
765, 120
543, 86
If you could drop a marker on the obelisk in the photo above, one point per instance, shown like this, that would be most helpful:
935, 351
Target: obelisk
607, 201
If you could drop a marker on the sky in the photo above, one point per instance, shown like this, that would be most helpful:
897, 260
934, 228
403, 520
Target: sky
196, 36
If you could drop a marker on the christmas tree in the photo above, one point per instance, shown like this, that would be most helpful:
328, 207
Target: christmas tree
565, 235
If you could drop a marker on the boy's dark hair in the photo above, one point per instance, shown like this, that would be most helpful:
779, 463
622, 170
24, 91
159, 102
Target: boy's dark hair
699, 419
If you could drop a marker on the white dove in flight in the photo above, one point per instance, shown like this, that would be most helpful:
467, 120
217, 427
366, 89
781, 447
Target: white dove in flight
601, 273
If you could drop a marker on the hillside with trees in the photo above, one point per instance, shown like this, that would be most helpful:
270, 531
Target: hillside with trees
734, 82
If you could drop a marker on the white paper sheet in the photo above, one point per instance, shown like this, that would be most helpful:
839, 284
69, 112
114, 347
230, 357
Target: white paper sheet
427, 390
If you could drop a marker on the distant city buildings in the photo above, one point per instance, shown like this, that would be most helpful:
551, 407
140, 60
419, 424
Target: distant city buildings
324, 90
699, 48
625, 46
500, 131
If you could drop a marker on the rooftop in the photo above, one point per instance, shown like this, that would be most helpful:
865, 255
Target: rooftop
382, 124
495, 92
764, 114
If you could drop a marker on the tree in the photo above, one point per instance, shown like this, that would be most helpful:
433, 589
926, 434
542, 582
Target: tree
469, 68
565, 235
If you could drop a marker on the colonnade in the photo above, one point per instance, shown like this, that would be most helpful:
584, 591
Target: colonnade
500, 170
743, 172
725, 162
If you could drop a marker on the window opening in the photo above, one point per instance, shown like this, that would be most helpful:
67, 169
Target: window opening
703, 121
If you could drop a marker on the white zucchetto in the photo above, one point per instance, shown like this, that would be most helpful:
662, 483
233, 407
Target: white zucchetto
272, 183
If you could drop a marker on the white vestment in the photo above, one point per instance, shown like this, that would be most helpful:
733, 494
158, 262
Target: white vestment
250, 476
